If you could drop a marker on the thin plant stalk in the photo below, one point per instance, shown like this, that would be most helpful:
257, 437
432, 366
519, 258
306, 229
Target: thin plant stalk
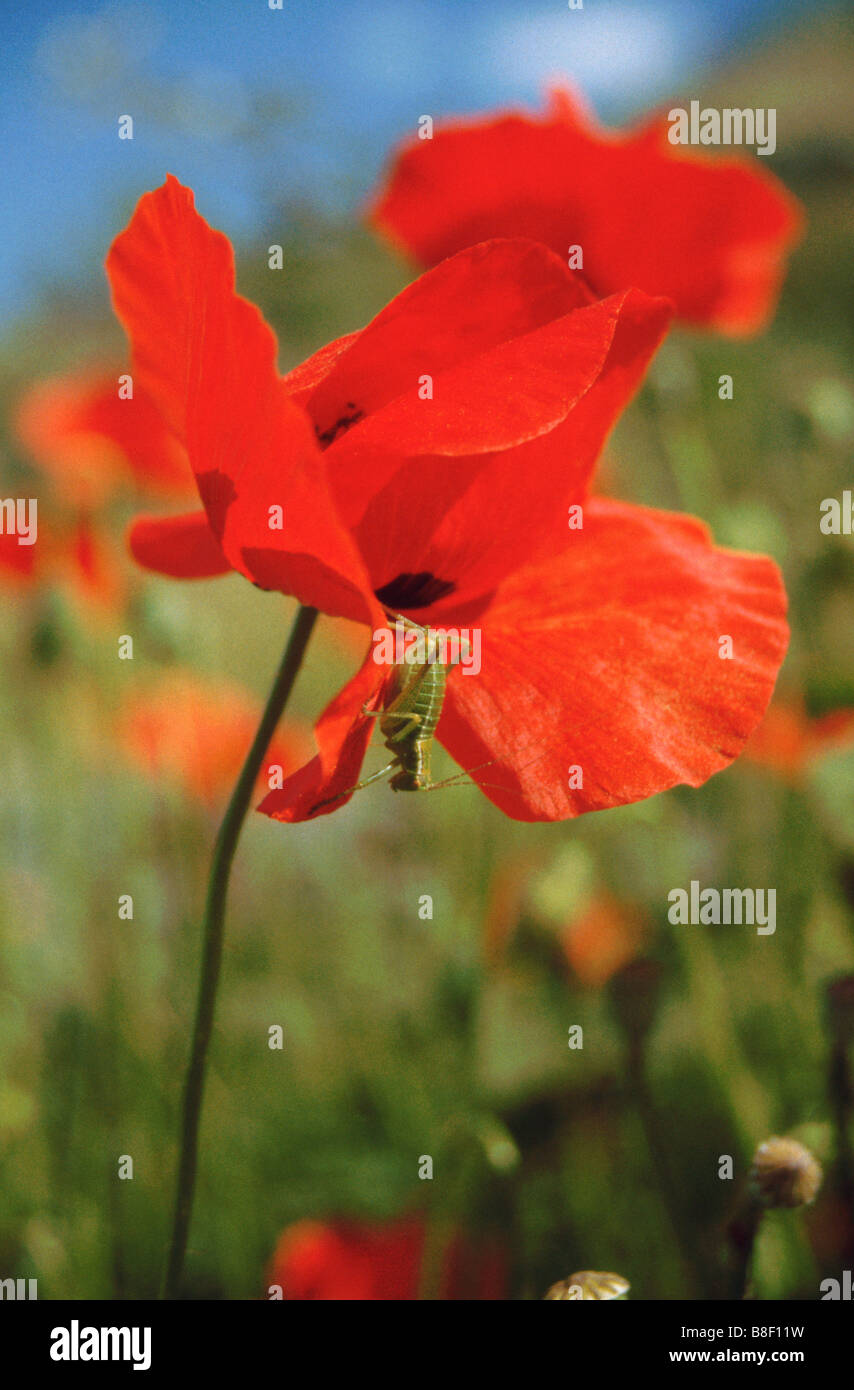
213, 930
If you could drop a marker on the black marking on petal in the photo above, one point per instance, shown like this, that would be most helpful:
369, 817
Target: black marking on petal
414, 591
352, 417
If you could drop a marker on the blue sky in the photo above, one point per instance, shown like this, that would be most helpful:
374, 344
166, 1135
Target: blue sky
350, 76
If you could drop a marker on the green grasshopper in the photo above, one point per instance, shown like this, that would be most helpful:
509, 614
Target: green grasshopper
409, 719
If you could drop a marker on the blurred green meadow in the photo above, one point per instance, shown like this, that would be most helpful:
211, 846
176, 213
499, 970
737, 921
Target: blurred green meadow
446, 1037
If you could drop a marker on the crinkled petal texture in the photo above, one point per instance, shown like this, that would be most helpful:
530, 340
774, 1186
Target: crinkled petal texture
641, 657
709, 233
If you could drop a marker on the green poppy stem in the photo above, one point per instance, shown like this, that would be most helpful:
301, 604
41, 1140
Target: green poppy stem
213, 930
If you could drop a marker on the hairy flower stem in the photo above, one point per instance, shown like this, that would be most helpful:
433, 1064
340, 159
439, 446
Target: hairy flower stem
213, 929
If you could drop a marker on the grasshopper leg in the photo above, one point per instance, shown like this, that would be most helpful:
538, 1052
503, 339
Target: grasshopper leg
414, 719
375, 777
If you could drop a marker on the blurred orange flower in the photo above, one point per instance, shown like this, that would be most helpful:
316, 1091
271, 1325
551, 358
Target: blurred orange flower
352, 1260
197, 733
788, 740
605, 936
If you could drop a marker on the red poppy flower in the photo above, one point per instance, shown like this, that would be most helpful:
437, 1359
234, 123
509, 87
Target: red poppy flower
92, 443
345, 485
710, 234
350, 1260
787, 740
196, 732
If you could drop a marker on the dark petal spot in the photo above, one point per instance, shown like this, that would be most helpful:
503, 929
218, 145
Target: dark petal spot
352, 417
414, 591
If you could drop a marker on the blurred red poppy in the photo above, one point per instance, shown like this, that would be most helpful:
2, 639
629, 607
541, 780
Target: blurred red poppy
351, 487
85, 561
350, 1260
76, 554
710, 234
18, 563
92, 443
787, 740
196, 733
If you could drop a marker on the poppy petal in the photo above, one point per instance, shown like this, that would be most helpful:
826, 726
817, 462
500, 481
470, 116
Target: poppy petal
712, 234
93, 442
208, 360
429, 374
473, 521
182, 547
342, 735
611, 661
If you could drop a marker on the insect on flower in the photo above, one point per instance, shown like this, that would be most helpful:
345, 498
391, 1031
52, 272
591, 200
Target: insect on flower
410, 716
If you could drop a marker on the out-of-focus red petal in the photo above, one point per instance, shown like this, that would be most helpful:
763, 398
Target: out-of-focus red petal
710, 233
88, 562
197, 733
93, 443
346, 1260
18, 563
342, 735
183, 547
606, 659
208, 360
787, 740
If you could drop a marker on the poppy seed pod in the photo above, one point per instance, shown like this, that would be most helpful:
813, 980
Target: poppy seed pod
589, 1285
785, 1174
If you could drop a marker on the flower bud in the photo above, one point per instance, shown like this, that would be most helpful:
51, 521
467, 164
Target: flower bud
589, 1284
785, 1174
